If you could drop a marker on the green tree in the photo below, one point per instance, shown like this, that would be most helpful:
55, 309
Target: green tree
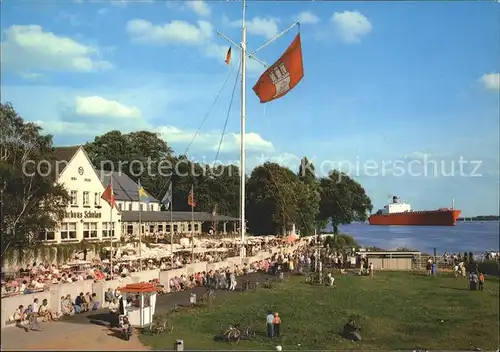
141, 154
272, 200
224, 190
309, 198
343, 200
32, 200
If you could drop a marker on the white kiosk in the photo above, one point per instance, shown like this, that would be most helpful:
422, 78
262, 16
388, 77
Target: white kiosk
139, 302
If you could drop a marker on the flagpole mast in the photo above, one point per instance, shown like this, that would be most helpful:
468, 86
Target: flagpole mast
112, 229
242, 127
171, 228
192, 224
140, 233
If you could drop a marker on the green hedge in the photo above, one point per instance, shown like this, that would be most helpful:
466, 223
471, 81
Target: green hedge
490, 267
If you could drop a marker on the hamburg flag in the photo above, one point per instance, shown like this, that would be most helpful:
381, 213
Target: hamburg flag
283, 75
191, 201
108, 196
228, 57
167, 198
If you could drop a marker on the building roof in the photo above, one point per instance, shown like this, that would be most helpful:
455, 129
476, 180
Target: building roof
124, 188
164, 216
62, 157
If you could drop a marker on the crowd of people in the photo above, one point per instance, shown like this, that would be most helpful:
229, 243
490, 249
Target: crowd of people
41, 275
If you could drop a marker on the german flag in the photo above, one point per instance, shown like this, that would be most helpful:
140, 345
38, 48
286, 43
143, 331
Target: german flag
228, 57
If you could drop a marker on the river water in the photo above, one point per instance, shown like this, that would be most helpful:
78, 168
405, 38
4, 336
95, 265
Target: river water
473, 237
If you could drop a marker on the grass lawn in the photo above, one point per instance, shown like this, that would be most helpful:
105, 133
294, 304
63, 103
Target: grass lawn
397, 311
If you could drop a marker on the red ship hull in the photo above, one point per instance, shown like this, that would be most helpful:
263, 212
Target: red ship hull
445, 217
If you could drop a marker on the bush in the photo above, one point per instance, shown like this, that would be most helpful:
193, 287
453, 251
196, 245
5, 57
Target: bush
490, 267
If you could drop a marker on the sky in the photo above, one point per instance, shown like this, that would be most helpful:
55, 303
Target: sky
402, 96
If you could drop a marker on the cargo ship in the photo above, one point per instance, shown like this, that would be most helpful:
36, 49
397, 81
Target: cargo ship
400, 213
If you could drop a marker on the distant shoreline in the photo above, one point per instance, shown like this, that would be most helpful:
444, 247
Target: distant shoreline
480, 218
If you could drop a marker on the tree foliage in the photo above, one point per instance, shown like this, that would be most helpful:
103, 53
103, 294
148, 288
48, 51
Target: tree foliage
32, 201
343, 200
213, 186
277, 197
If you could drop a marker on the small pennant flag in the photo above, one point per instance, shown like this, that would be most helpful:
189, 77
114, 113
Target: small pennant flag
143, 195
191, 201
167, 198
108, 196
228, 57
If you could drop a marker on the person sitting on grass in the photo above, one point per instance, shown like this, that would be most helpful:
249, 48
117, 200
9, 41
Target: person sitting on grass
351, 331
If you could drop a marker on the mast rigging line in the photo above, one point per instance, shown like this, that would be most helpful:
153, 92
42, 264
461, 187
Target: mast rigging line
164, 187
209, 110
227, 115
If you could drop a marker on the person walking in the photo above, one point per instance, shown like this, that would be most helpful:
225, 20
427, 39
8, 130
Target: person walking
269, 325
277, 325
233, 282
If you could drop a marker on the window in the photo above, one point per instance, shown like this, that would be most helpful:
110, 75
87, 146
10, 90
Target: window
129, 206
108, 229
130, 229
74, 197
86, 199
151, 228
68, 231
151, 207
46, 236
195, 227
176, 228
97, 199
119, 206
160, 228
189, 227
89, 230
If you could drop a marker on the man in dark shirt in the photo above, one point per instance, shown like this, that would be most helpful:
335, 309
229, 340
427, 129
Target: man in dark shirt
79, 302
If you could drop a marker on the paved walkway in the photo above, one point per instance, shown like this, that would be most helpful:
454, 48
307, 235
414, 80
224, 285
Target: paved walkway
90, 331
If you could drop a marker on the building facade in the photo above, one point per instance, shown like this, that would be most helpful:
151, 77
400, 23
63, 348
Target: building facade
87, 215
90, 218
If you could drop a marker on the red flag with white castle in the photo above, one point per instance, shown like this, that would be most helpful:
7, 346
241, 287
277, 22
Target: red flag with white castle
283, 75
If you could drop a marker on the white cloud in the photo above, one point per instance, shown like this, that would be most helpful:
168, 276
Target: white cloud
95, 106
176, 31
491, 81
350, 26
31, 75
210, 140
200, 7
266, 27
185, 33
29, 47
307, 17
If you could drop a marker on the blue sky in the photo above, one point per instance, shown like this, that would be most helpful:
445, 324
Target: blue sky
404, 83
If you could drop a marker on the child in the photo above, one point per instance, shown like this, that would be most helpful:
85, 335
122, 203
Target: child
276, 324
481, 281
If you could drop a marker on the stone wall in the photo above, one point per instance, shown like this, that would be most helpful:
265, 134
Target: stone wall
53, 296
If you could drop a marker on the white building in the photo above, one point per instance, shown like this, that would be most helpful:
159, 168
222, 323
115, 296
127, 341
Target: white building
87, 215
89, 218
